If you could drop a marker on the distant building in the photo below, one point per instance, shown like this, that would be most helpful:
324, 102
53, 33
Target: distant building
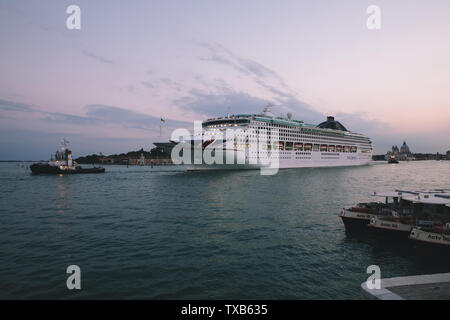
448, 155
106, 160
404, 148
393, 153
395, 150
404, 153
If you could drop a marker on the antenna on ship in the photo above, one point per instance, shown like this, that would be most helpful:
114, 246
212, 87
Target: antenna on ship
64, 143
267, 109
160, 126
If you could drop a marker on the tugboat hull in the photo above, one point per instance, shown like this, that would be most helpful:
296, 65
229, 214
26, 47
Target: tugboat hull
39, 168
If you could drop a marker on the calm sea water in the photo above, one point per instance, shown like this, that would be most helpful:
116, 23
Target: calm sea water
149, 233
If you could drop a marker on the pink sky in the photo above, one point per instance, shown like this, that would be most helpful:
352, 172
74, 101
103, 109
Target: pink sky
129, 65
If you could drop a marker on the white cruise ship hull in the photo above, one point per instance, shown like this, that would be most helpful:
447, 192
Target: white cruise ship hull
266, 141
285, 160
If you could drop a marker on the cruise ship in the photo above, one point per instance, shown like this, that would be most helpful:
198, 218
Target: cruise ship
258, 138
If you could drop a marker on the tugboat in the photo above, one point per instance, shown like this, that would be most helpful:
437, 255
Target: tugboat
392, 159
63, 164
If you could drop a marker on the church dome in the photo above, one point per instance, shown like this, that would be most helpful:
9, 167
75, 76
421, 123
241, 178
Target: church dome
404, 148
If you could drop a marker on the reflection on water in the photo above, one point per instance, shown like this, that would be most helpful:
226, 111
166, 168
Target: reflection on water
142, 232
63, 200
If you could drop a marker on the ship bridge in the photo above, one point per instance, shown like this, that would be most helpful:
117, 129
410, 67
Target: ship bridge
226, 122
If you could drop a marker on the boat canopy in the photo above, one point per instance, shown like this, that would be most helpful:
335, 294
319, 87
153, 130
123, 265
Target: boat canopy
437, 196
427, 199
436, 191
392, 194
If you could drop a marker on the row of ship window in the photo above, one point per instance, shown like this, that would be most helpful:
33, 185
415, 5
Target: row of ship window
297, 136
295, 130
320, 142
314, 137
298, 146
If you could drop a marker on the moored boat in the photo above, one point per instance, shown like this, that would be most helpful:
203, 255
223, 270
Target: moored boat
411, 212
392, 225
418, 219
436, 234
431, 238
359, 216
426, 211
356, 218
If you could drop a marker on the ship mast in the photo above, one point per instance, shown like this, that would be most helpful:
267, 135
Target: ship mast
268, 109
66, 151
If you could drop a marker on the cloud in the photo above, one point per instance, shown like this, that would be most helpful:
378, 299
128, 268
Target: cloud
69, 118
147, 84
238, 102
35, 145
246, 67
361, 122
220, 55
274, 90
131, 88
98, 114
171, 84
286, 99
127, 118
97, 57
157, 84
15, 106
274, 86
100, 128
218, 97
218, 104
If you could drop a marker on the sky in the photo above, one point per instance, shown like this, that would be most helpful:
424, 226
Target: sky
106, 86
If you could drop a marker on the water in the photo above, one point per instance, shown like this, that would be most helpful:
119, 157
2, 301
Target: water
144, 233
